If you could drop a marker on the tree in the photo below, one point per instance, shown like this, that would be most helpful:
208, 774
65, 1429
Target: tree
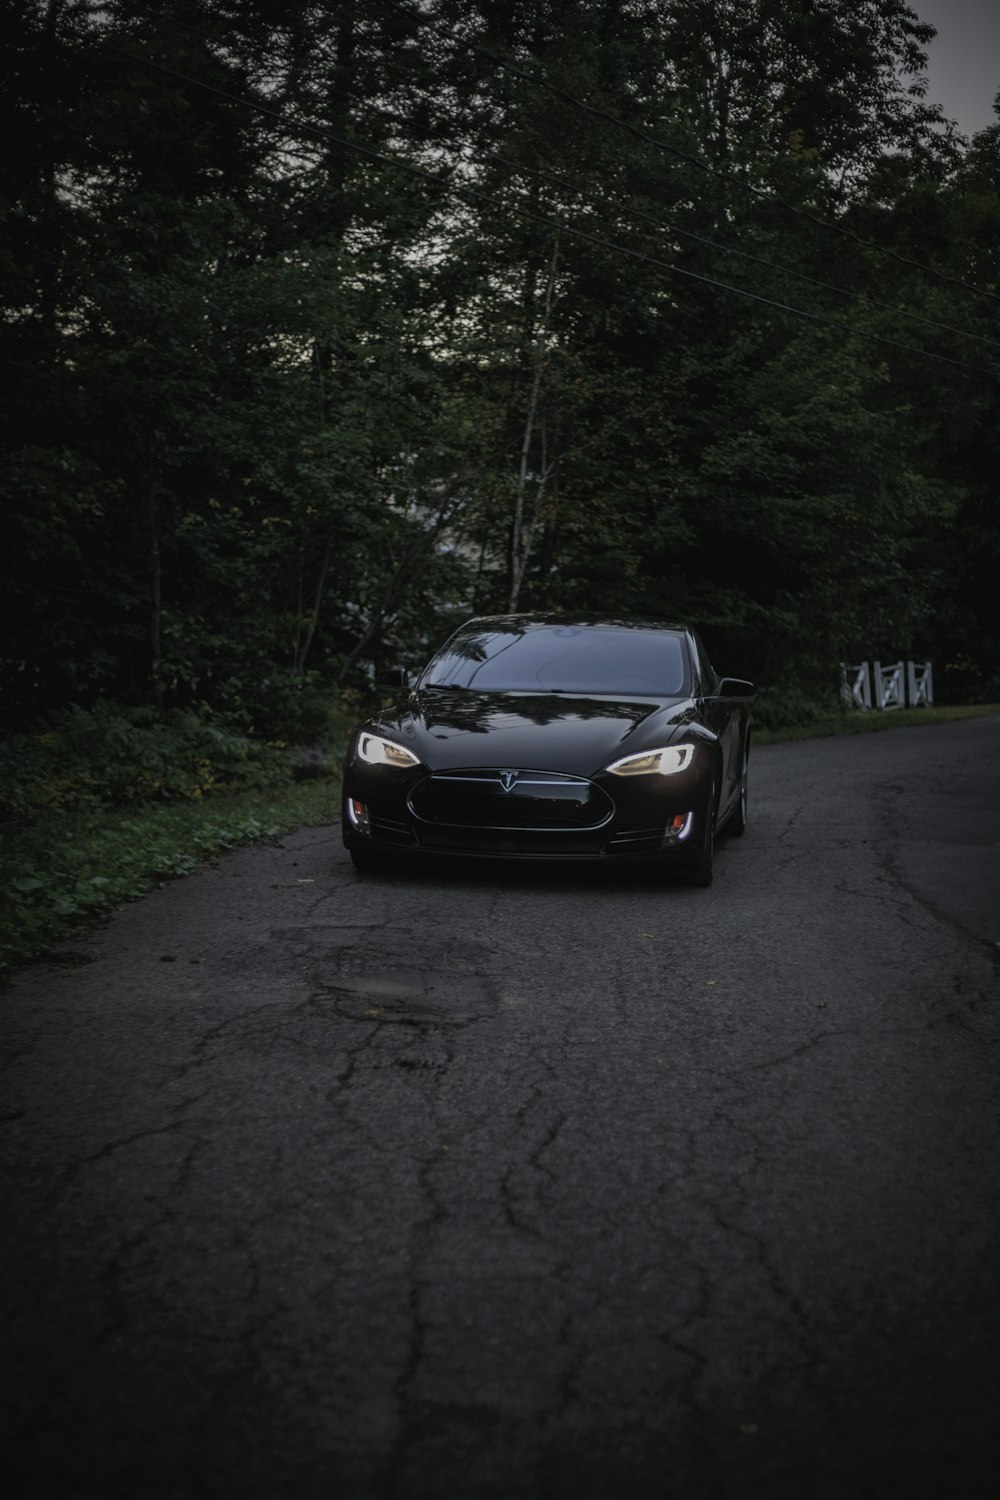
326, 324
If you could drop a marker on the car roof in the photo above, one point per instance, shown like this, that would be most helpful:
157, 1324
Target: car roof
601, 622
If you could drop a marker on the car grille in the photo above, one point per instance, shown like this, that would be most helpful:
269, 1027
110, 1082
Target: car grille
491, 799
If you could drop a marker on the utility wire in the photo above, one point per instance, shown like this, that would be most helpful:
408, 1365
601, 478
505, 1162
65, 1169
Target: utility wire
670, 225
369, 152
657, 222
643, 135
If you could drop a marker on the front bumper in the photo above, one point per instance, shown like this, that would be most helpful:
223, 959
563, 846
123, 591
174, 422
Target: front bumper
544, 816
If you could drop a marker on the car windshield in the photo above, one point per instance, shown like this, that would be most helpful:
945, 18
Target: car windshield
562, 659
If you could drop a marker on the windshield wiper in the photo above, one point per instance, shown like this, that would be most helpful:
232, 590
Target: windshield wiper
519, 687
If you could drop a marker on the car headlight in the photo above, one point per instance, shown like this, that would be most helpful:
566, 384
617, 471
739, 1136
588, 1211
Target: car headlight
376, 751
660, 762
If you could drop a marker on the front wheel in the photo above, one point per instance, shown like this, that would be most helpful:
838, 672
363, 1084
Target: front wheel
738, 822
369, 862
701, 873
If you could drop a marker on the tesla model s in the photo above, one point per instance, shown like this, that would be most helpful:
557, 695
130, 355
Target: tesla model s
542, 737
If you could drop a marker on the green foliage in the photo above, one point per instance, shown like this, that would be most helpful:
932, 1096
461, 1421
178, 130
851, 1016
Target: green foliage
789, 706
109, 756
110, 801
70, 867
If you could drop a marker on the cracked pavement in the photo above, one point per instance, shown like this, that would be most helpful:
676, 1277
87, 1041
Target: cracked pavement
539, 1183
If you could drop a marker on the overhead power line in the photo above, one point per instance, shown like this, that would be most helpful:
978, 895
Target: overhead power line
670, 225
523, 212
695, 161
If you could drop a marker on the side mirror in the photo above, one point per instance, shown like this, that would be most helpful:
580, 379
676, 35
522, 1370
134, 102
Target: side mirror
394, 677
736, 687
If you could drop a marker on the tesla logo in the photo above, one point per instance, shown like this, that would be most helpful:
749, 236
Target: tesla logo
507, 779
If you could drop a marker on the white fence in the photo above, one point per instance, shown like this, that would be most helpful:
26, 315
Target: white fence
900, 683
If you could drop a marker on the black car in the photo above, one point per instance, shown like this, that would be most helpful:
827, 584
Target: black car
542, 737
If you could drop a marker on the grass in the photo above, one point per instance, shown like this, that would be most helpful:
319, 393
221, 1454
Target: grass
61, 872
108, 801
859, 722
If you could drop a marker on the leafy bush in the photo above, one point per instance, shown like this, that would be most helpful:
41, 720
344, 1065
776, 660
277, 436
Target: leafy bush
115, 757
784, 706
109, 801
291, 707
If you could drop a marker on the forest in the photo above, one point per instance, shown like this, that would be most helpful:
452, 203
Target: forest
329, 325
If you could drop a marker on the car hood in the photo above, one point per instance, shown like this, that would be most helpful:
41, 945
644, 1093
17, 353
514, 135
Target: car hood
453, 728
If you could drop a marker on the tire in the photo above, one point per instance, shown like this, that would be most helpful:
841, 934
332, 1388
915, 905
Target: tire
701, 872
369, 862
738, 822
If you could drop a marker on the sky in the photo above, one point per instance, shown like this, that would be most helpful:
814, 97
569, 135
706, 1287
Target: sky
963, 67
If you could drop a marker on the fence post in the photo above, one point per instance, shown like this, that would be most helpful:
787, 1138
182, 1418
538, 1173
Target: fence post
895, 689
890, 691
857, 691
920, 683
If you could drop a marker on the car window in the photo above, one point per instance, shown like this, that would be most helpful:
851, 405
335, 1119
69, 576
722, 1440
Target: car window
563, 659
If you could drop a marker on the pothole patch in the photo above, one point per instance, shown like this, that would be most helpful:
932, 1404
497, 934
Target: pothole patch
422, 998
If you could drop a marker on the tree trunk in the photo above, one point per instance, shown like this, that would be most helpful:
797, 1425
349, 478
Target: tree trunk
154, 564
317, 606
522, 530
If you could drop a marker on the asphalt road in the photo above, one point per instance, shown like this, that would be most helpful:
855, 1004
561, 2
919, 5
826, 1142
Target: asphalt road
527, 1185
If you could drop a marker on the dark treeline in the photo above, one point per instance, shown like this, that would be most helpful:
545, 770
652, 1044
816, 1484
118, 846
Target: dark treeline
276, 409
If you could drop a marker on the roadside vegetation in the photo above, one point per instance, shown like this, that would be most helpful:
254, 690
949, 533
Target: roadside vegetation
108, 804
